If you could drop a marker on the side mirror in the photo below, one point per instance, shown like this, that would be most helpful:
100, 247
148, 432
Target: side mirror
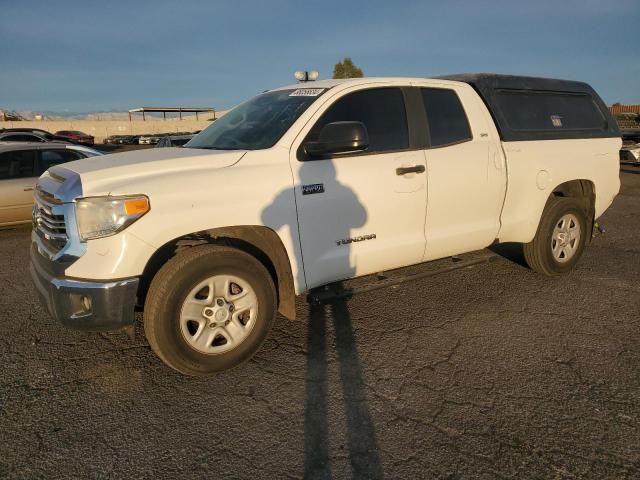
339, 137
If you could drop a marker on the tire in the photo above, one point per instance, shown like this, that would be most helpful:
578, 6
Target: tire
556, 248
196, 317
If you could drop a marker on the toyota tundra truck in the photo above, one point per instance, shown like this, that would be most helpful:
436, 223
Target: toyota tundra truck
315, 183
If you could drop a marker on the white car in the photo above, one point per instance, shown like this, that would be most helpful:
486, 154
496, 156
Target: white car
315, 183
173, 140
630, 153
149, 139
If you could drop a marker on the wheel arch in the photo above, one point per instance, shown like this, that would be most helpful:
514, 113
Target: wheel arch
576, 188
523, 210
580, 188
257, 240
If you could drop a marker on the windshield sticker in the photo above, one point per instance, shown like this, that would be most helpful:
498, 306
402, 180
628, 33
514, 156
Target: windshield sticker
306, 92
311, 189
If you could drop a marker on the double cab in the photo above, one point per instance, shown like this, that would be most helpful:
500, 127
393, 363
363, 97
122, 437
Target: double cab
314, 183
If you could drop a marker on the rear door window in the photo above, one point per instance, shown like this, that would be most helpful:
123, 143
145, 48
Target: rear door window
446, 117
17, 164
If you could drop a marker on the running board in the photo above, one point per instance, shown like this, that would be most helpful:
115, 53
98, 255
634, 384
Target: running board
334, 291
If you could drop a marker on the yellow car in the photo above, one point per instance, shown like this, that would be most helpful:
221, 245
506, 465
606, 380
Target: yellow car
21, 164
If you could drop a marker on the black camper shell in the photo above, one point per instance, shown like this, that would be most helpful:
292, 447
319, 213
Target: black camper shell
530, 108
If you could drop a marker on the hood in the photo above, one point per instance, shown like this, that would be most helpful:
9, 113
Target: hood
102, 175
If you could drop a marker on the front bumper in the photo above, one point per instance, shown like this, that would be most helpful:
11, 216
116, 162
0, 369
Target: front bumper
84, 305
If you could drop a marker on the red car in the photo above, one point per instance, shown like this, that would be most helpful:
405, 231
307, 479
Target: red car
75, 136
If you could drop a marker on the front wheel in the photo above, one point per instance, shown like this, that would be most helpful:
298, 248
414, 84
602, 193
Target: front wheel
209, 309
560, 239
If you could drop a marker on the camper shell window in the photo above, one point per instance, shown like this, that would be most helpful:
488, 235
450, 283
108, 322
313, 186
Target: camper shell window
525, 110
529, 108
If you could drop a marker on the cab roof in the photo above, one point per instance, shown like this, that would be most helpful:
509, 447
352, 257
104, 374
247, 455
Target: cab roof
330, 83
505, 94
479, 81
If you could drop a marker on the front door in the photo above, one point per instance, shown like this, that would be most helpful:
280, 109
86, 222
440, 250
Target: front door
361, 213
17, 182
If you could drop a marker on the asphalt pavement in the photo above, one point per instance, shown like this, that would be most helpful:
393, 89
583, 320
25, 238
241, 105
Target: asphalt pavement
488, 372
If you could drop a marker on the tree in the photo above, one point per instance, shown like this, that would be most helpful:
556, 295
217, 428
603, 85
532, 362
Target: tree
346, 69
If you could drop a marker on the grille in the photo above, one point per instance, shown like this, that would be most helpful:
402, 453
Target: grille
50, 227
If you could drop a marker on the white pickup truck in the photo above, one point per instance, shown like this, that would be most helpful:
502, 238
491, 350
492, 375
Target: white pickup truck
314, 183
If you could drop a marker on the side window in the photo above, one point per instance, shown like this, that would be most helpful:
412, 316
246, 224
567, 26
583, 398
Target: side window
448, 123
17, 164
381, 110
49, 158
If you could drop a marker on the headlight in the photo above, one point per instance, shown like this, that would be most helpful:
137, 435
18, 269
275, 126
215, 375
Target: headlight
99, 217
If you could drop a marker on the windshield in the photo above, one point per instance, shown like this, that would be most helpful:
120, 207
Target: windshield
258, 123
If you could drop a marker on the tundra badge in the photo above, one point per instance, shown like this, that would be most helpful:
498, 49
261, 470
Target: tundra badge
361, 238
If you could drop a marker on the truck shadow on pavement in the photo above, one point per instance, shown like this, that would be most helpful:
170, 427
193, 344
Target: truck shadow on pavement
327, 224
361, 436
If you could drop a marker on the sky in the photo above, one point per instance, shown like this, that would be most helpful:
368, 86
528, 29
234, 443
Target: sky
84, 56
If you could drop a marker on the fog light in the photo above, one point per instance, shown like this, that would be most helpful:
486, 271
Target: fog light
80, 305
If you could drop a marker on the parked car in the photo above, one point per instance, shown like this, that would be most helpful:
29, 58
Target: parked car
121, 139
150, 139
28, 136
129, 140
173, 140
311, 184
630, 137
76, 136
630, 153
20, 166
44, 133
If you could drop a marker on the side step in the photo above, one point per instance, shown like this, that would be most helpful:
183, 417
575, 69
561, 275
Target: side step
335, 291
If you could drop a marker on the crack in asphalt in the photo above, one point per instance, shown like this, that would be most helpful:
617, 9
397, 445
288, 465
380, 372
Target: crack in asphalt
494, 372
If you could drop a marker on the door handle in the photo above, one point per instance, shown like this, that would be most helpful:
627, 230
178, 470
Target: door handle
414, 169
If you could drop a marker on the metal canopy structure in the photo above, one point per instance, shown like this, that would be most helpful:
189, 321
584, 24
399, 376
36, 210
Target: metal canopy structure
179, 110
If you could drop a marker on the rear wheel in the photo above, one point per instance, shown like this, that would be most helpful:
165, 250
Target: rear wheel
560, 239
209, 309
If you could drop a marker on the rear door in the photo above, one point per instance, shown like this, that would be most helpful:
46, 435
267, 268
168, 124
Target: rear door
17, 182
466, 173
